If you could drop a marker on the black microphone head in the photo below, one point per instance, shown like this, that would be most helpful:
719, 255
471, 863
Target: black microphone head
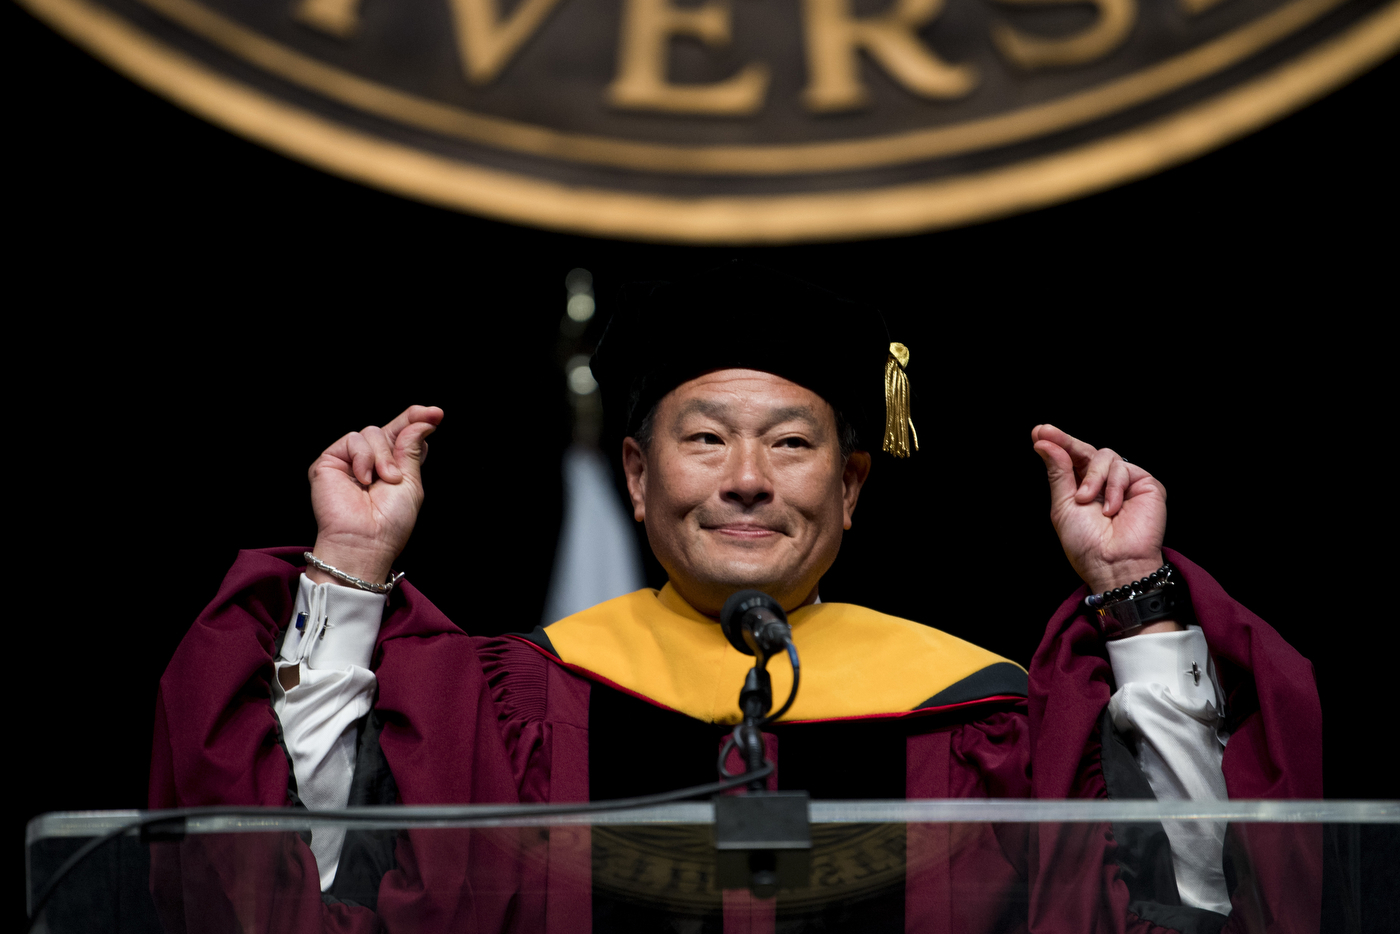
751, 604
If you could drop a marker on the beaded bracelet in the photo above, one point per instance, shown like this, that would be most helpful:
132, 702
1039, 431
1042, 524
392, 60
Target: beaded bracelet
1124, 610
1162, 577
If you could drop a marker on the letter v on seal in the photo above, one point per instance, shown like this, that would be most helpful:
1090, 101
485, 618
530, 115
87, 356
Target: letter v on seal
487, 41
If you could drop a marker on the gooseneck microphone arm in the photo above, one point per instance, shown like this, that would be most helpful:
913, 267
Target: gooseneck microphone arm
755, 624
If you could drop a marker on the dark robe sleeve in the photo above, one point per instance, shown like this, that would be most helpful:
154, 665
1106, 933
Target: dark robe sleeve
968, 877
217, 741
1275, 751
542, 711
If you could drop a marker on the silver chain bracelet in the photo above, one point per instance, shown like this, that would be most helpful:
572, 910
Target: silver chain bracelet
352, 580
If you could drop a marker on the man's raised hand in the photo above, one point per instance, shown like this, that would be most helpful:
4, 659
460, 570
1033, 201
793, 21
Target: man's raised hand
366, 490
1110, 514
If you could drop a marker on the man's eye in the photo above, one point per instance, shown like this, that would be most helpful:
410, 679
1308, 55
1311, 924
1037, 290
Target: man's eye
793, 443
706, 437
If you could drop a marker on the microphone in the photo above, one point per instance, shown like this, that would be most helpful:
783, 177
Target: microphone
755, 624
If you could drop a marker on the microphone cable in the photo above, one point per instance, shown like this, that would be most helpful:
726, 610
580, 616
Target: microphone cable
796, 677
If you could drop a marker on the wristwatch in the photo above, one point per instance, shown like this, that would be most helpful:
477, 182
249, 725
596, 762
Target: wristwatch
1124, 610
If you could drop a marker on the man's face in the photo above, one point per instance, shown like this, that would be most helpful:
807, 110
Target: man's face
743, 485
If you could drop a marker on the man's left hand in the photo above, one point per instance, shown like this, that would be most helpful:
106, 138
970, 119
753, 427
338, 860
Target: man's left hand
1110, 514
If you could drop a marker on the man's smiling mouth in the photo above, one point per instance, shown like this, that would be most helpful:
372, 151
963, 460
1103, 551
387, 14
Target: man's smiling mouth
743, 531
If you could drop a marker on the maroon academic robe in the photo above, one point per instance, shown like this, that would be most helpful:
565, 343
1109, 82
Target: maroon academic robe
498, 720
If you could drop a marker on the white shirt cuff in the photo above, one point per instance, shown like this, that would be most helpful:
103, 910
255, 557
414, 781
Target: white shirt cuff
333, 627
1179, 661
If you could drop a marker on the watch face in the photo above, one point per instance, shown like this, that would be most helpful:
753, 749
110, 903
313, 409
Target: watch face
737, 120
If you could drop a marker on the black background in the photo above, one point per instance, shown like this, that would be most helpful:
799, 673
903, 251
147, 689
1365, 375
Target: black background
193, 318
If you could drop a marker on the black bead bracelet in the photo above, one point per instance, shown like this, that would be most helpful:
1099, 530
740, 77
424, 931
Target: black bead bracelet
1159, 578
1124, 610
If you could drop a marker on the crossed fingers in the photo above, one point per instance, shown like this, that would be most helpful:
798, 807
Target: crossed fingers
1101, 473
363, 453
414, 413
373, 450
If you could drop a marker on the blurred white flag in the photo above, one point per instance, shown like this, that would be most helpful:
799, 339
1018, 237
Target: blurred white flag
597, 558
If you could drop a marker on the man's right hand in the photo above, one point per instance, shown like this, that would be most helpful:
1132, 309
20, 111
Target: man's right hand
366, 490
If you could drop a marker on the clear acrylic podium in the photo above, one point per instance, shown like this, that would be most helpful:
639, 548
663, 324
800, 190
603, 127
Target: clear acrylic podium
957, 865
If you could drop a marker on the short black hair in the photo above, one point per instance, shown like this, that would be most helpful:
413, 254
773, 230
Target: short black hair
845, 432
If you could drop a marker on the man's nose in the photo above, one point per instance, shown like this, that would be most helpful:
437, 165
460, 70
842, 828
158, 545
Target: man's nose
748, 482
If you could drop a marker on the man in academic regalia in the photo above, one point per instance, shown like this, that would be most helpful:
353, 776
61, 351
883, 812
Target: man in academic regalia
751, 404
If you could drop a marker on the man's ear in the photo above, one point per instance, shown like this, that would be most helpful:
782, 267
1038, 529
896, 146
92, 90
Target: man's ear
853, 477
634, 465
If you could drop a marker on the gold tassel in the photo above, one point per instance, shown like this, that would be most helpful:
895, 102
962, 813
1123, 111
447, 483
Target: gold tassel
899, 426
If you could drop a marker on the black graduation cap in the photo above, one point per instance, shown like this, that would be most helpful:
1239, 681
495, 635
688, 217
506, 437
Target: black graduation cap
746, 316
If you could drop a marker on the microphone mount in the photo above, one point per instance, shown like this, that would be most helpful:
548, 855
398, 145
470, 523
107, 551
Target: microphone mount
763, 838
